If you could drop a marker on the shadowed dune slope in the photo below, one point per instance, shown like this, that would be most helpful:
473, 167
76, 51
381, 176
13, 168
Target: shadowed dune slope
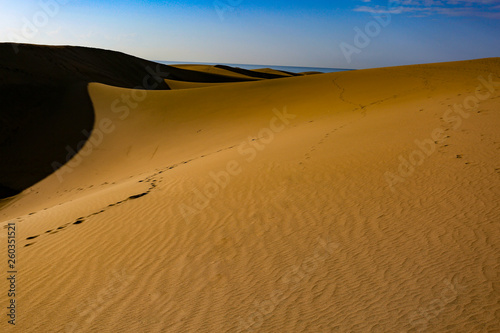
38, 64
235, 72
46, 108
257, 74
37, 123
266, 206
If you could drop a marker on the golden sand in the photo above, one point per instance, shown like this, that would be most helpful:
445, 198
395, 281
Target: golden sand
363, 201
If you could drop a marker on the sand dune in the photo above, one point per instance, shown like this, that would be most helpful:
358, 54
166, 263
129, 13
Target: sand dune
175, 84
274, 71
45, 87
344, 202
235, 72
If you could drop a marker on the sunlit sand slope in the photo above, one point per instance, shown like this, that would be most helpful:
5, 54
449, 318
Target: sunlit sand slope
362, 201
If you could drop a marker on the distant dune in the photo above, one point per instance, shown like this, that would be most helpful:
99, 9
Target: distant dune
360, 201
273, 71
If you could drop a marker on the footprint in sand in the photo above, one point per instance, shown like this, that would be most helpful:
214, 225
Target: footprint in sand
138, 196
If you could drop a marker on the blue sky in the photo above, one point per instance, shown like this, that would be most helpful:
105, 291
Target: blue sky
314, 33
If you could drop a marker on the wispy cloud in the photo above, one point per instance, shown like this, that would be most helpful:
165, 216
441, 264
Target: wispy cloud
377, 10
462, 8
